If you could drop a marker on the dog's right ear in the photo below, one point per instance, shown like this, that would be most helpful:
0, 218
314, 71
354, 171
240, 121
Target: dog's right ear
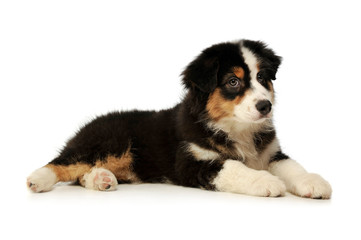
202, 73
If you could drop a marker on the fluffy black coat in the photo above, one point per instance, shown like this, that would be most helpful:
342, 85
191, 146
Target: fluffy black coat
158, 140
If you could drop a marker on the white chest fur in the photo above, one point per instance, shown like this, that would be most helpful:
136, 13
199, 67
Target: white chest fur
242, 134
253, 159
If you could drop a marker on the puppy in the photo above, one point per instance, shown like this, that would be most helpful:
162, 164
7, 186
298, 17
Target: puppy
220, 137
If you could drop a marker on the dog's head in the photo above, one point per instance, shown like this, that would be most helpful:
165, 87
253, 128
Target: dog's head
236, 79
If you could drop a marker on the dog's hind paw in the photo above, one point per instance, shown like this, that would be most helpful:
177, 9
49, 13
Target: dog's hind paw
41, 180
100, 179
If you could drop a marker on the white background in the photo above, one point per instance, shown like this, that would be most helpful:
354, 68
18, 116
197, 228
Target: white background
64, 62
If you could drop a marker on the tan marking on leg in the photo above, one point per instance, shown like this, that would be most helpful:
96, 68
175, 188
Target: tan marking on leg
121, 166
70, 172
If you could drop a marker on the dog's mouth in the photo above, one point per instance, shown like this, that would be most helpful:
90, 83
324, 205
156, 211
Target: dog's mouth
262, 118
259, 118
253, 118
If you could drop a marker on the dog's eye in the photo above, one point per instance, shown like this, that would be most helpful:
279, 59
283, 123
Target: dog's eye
234, 82
260, 78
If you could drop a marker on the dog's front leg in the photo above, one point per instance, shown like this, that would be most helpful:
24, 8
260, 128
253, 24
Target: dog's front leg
199, 167
238, 178
298, 181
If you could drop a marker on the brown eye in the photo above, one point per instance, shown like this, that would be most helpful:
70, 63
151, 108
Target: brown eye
260, 78
234, 82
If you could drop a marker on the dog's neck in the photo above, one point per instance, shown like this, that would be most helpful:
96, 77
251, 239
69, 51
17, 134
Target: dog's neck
236, 129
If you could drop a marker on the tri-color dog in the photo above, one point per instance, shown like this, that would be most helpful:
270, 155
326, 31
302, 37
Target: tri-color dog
220, 137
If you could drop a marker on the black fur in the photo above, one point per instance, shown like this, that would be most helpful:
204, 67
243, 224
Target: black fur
262, 139
158, 140
278, 157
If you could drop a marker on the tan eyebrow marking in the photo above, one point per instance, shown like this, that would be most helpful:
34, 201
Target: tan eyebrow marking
239, 72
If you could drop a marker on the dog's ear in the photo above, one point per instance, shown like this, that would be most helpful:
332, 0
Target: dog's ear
202, 73
274, 62
269, 59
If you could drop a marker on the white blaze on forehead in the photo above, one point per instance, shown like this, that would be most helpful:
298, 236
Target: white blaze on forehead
259, 91
246, 111
251, 61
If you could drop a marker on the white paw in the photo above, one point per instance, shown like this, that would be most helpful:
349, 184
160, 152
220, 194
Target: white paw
267, 185
236, 177
311, 185
41, 180
100, 179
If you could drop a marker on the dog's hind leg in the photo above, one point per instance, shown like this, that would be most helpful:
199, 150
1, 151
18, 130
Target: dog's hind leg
43, 179
97, 178
98, 174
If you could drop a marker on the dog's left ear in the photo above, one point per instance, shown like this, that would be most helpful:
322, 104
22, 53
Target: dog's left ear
269, 59
275, 62
202, 73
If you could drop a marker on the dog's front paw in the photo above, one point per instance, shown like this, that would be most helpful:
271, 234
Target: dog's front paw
267, 185
310, 185
236, 177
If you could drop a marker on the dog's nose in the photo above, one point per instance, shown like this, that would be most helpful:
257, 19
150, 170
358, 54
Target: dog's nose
264, 107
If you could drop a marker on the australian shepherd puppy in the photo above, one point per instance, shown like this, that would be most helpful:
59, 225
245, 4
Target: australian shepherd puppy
220, 137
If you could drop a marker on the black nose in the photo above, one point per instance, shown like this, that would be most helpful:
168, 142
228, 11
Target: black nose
264, 107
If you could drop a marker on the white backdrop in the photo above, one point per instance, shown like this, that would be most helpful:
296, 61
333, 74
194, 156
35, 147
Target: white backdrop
64, 62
